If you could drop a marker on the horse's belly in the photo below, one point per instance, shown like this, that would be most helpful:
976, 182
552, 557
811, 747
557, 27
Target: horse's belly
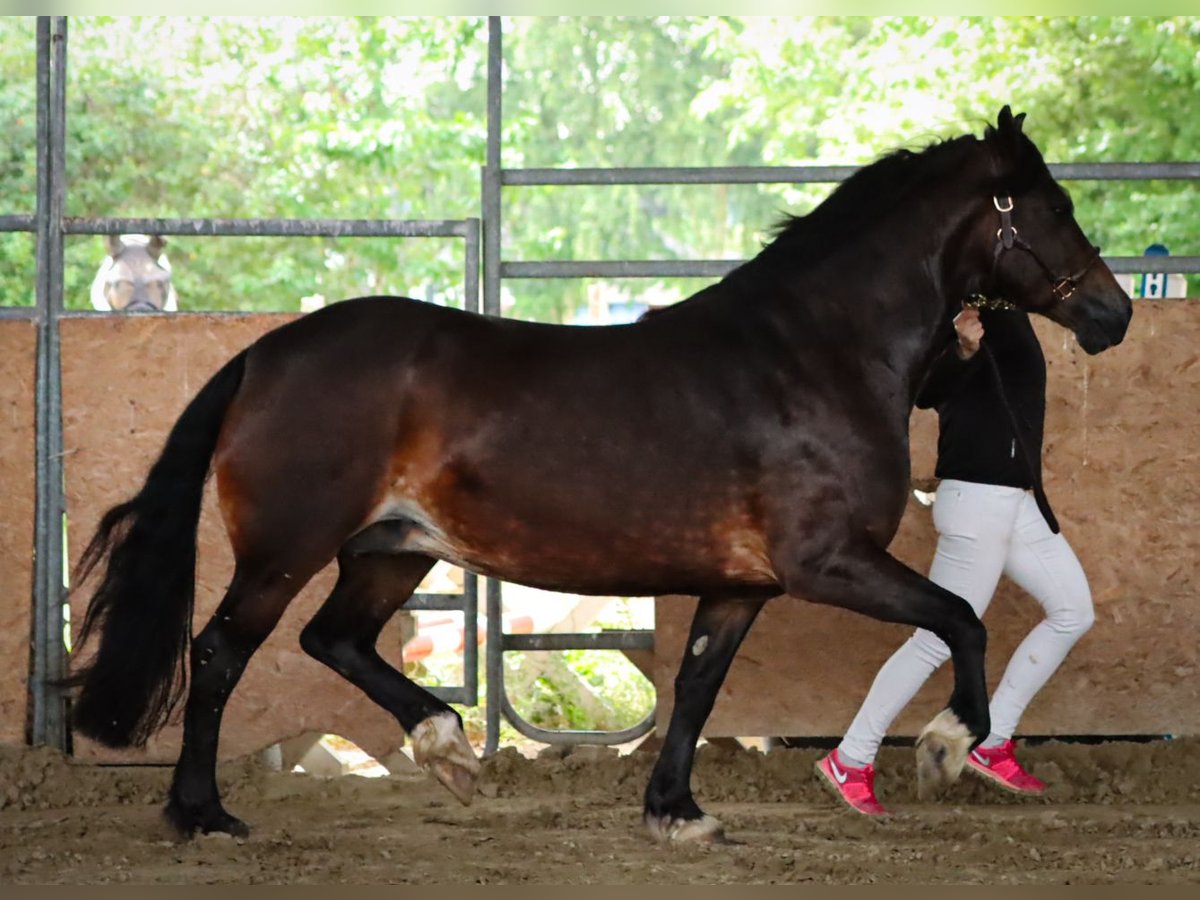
616, 563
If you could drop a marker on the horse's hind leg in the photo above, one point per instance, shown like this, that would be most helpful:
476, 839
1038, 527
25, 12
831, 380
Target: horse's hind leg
251, 608
371, 586
717, 631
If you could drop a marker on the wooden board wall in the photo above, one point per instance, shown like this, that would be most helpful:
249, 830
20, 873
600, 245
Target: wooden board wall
18, 355
125, 381
1122, 468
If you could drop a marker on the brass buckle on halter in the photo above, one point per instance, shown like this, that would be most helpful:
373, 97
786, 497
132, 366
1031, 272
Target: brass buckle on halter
1063, 288
1006, 234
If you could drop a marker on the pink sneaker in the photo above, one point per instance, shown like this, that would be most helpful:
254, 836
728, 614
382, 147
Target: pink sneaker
999, 765
856, 787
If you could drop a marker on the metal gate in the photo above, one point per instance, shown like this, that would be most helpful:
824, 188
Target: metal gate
496, 269
48, 724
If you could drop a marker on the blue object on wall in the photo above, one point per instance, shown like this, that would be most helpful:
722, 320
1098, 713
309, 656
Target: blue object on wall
1154, 284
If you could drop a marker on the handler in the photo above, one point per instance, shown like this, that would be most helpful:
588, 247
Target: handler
991, 517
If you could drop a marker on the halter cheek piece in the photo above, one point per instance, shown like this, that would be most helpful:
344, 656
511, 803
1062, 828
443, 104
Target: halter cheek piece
1062, 288
1007, 238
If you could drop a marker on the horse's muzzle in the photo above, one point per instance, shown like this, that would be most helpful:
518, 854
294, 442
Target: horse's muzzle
1102, 324
142, 305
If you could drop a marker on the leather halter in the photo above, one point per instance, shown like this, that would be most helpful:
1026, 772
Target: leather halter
1007, 238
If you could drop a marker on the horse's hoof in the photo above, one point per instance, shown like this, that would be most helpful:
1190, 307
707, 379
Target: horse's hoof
230, 825
441, 748
188, 822
669, 830
941, 754
457, 779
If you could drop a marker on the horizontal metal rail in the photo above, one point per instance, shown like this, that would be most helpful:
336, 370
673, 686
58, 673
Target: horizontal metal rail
601, 268
461, 693
434, 603
248, 227
633, 639
1157, 171
269, 227
1169, 265
669, 175
1126, 171
18, 223
554, 736
717, 268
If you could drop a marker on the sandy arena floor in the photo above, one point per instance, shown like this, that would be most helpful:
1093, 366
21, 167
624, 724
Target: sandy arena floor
1115, 813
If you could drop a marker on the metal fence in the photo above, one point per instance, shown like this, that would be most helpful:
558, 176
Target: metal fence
50, 225
496, 269
48, 723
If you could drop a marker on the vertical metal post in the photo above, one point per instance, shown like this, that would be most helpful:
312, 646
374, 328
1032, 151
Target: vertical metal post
491, 307
470, 580
48, 718
495, 666
470, 677
491, 171
471, 265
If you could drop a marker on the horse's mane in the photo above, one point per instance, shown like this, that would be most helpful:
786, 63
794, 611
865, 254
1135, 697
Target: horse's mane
842, 216
860, 198
860, 201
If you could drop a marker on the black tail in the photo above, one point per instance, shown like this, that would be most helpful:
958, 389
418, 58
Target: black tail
143, 606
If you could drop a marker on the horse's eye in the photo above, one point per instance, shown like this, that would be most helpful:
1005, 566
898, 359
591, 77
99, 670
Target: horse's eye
1062, 211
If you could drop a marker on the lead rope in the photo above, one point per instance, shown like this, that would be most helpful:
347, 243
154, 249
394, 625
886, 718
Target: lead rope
1035, 471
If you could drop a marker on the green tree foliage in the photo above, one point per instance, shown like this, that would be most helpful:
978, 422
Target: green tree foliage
18, 159
385, 117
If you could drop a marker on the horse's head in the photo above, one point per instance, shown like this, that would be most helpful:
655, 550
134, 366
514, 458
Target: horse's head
1040, 259
135, 277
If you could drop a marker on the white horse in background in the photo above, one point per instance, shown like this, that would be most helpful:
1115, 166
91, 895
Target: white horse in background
135, 277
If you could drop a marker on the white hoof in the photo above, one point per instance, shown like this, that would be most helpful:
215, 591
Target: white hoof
941, 753
441, 748
705, 830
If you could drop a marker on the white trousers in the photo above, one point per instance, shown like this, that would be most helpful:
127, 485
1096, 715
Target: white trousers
984, 531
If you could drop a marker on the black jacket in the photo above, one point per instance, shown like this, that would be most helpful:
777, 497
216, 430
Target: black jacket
981, 437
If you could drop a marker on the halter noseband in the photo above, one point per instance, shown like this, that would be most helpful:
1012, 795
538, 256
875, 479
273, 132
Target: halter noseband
1007, 238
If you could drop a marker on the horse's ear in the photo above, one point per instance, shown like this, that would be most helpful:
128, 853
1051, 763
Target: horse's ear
1006, 135
112, 243
156, 246
1007, 123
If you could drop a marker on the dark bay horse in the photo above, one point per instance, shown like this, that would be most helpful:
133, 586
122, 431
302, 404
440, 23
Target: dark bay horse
748, 442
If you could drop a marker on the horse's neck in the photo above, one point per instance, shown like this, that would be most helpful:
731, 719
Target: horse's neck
880, 320
892, 291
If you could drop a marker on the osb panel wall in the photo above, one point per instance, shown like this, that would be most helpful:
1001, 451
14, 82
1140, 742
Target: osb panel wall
1123, 473
18, 353
125, 381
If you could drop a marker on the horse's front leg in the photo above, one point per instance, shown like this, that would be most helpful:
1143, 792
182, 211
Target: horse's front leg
717, 631
868, 580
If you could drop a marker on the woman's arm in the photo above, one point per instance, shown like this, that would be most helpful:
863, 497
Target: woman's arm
949, 368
